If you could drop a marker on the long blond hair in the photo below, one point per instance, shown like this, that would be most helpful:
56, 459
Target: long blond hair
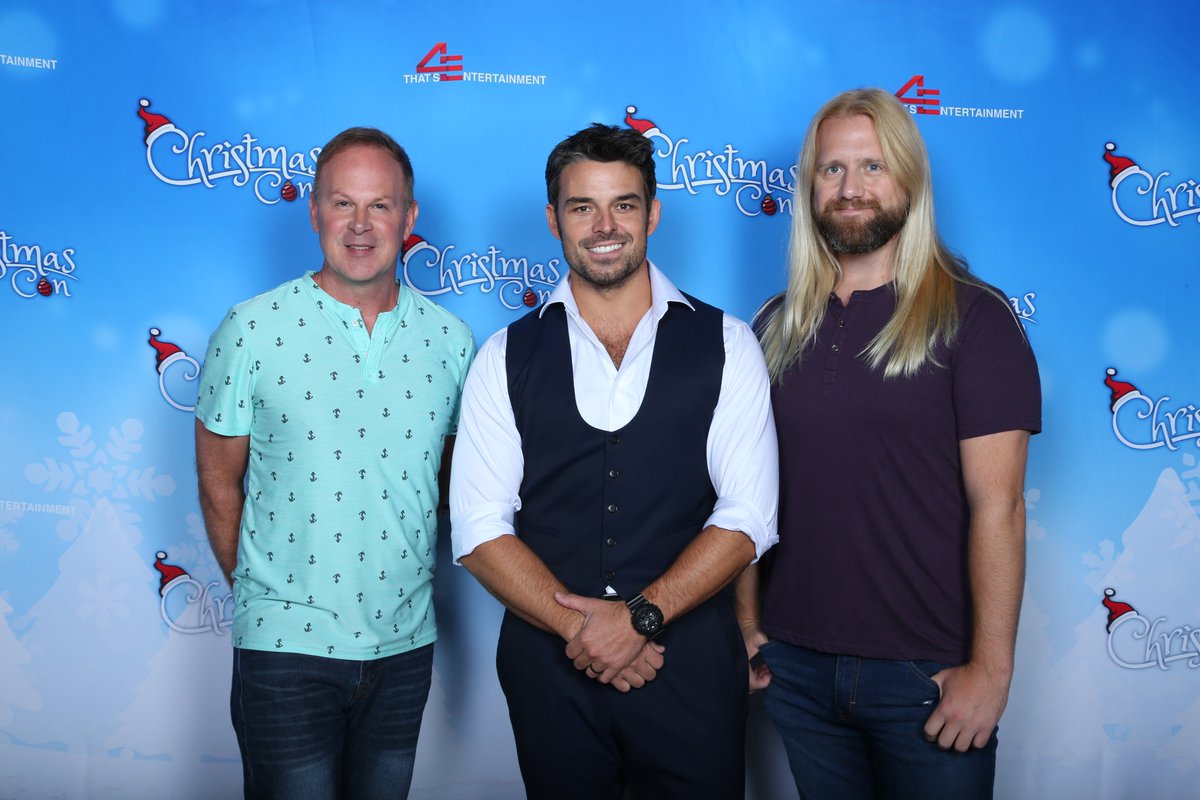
926, 272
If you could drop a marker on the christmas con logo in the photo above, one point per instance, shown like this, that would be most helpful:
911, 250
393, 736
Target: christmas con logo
1142, 422
179, 158
1143, 199
1024, 307
189, 606
31, 270
171, 360
517, 282
1138, 642
757, 189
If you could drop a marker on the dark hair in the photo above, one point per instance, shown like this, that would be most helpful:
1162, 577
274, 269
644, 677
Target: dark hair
366, 137
605, 143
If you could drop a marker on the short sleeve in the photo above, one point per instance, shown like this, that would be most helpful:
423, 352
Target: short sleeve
995, 374
467, 354
225, 403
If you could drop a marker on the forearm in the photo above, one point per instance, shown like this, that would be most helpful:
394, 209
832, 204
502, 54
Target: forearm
222, 510
996, 559
523, 583
711, 561
747, 600
220, 474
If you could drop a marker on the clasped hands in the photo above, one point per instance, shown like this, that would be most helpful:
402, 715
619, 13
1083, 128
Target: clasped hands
606, 648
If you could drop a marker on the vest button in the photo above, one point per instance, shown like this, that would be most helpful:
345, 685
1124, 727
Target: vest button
612, 508
614, 439
611, 542
608, 576
612, 473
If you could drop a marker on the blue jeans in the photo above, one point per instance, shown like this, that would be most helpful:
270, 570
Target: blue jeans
854, 728
316, 728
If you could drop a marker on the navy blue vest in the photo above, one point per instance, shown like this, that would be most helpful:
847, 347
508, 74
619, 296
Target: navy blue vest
617, 508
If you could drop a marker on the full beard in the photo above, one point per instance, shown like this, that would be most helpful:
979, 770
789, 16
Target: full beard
858, 236
613, 276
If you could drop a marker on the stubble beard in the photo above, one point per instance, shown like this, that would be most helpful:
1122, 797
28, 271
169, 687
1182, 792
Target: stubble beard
577, 259
858, 236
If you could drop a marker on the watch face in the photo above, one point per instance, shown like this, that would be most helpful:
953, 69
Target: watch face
647, 619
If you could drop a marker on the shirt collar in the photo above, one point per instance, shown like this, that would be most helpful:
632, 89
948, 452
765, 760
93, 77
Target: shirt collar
662, 294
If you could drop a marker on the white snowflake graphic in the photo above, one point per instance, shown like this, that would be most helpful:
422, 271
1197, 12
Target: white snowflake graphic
102, 600
93, 472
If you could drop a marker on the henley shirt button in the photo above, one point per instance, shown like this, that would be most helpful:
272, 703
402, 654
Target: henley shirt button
614, 439
610, 541
608, 576
612, 508
612, 473
841, 323
834, 348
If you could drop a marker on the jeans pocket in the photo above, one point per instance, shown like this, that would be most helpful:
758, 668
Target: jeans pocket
924, 671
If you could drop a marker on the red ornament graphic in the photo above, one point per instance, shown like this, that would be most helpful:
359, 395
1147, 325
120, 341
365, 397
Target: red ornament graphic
288, 192
529, 298
769, 206
44, 288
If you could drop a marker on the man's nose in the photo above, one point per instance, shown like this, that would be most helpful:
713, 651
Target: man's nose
361, 221
604, 222
852, 185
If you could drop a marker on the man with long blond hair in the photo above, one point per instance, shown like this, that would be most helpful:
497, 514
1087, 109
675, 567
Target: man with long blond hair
904, 393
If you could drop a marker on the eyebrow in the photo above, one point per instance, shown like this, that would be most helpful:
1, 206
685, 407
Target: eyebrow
619, 199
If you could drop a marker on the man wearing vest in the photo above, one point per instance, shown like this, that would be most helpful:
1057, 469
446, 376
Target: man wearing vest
616, 468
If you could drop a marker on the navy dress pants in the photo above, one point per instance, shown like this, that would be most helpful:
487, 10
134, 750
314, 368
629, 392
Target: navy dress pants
680, 736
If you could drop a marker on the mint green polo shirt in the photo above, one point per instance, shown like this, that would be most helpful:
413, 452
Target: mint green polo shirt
339, 529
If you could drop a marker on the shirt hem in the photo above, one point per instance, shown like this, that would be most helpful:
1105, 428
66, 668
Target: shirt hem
359, 654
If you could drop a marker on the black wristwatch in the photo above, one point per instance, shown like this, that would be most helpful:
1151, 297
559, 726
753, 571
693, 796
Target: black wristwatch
646, 617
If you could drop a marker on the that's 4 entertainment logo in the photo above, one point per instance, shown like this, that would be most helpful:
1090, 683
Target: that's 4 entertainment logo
757, 189
1138, 642
1142, 422
440, 65
179, 158
1143, 199
31, 270
517, 281
924, 100
189, 606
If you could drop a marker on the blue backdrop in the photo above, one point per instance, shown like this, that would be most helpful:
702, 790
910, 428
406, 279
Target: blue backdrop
155, 165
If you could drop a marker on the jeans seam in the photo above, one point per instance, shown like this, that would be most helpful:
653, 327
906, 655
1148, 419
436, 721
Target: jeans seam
241, 695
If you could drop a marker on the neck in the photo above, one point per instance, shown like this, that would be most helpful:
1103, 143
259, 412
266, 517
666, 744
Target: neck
865, 271
371, 299
613, 312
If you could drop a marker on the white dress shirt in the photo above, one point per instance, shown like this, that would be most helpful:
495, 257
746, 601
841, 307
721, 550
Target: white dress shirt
742, 449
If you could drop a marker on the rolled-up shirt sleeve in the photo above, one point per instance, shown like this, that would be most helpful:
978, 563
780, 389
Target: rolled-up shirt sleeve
743, 449
485, 476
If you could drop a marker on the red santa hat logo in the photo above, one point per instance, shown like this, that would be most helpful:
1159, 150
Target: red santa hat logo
153, 121
1118, 388
164, 352
167, 572
643, 126
1116, 609
1117, 165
